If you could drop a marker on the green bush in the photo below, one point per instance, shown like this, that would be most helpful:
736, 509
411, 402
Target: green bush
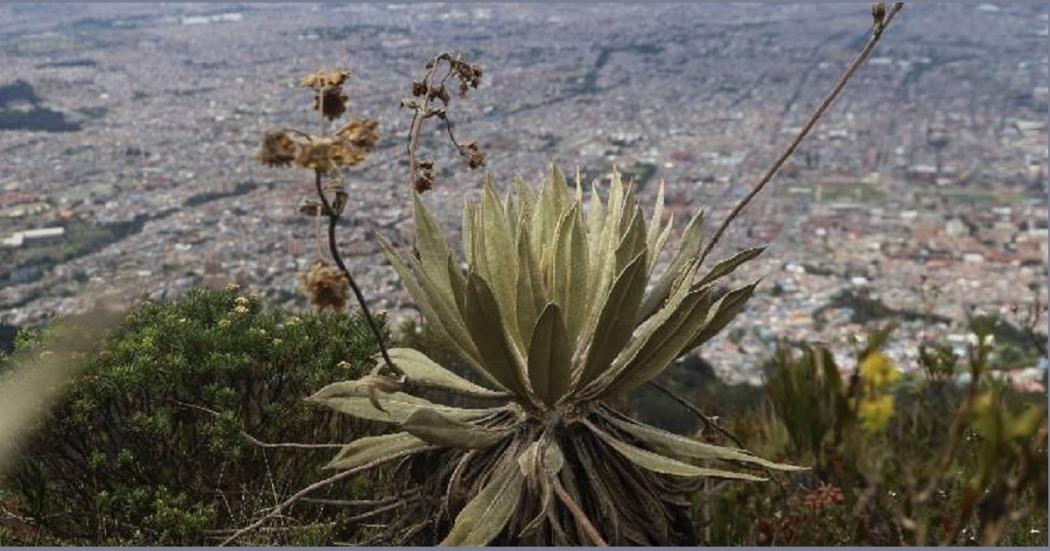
146, 447
898, 459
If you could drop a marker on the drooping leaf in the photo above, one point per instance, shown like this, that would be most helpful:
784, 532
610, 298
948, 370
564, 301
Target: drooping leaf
442, 430
398, 406
553, 458
669, 443
662, 464
484, 517
375, 448
419, 368
550, 356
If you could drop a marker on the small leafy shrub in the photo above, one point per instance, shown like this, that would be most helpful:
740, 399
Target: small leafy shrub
947, 454
147, 448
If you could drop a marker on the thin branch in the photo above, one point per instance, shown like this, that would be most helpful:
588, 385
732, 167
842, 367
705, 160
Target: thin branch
333, 246
381, 510
879, 28
708, 422
253, 439
578, 514
316, 486
712, 424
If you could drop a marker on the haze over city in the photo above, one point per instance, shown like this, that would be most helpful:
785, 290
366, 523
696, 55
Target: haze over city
127, 133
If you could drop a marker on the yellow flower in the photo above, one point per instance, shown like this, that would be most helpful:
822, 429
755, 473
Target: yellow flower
878, 370
875, 412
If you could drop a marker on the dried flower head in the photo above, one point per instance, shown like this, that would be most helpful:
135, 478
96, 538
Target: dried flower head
419, 88
327, 154
321, 80
469, 75
471, 151
425, 177
331, 103
361, 133
329, 98
278, 149
429, 89
441, 93
325, 286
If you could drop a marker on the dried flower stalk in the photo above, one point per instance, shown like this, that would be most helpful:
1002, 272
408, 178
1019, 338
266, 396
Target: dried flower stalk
424, 92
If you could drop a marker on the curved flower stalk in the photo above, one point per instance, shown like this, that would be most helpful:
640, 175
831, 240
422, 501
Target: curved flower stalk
560, 309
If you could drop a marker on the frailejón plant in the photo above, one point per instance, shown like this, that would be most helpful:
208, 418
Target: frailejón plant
558, 311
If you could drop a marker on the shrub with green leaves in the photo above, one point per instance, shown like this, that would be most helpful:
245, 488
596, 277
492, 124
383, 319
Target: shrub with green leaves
900, 459
557, 314
146, 446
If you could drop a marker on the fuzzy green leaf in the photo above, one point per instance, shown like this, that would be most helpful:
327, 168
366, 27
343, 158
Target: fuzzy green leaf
499, 268
569, 271
499, 357
374, 448
688, 251
678, 293
531, 295
549, 356
444, 316
670, 443
723, 312
616, 321
418, 367
662, 464
728, 265
485, 516
666, 343
430, 425
398, 405
430, 241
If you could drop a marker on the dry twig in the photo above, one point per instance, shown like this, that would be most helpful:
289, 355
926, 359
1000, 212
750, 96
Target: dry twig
879, 27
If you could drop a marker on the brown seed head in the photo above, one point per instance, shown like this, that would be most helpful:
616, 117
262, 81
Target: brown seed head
473, 154
321, 79
328, 154
278, 149
325, 286
361, 133
419, 88
331, 103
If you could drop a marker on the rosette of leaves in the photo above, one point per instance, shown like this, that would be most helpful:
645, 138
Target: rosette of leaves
560, 310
